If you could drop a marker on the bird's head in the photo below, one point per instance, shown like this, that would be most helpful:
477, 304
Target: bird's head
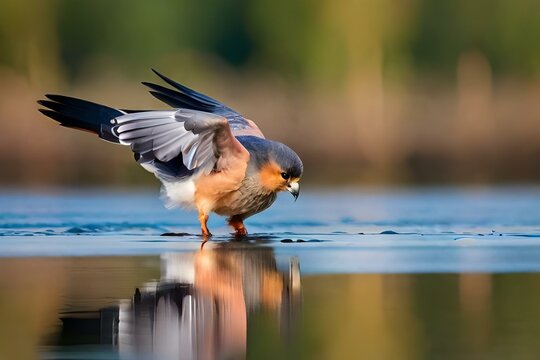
279, 167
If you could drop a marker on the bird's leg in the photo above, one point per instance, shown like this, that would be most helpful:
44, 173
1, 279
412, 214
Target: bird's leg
203, 218
238, 225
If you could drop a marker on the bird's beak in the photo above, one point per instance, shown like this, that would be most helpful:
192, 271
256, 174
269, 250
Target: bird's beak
294, 189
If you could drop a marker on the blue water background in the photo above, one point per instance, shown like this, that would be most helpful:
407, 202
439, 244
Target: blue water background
443, 229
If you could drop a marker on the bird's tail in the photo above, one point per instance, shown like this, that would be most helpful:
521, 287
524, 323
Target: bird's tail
82, 115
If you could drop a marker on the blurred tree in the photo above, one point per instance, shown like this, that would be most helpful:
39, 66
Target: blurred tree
309, 41
503, 30
28, 39
136, 33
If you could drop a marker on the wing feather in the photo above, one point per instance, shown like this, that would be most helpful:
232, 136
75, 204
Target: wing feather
139, 125
183, 97
202, 138
149, 132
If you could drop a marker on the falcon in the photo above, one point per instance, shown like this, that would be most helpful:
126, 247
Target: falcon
208, 157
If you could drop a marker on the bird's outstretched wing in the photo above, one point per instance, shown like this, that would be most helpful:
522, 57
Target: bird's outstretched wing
200, 136
185, 98
204, 140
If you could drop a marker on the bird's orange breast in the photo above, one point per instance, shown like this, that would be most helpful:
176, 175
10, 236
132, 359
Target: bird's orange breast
215, 189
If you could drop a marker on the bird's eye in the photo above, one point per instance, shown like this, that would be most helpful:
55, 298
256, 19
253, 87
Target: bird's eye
285, 175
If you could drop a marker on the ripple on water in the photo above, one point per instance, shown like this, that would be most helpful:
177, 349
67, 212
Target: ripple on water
124, 228
80, 229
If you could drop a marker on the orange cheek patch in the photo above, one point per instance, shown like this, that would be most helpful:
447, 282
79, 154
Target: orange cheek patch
271, 179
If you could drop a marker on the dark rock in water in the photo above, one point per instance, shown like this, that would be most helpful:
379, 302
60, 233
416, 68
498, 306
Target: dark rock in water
300, 240
75, 230
175, 234
389, 232
287, 241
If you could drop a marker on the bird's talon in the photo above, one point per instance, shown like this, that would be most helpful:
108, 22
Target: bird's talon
241, 232
238, 226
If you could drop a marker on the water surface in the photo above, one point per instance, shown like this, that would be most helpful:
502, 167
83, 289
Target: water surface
442, 273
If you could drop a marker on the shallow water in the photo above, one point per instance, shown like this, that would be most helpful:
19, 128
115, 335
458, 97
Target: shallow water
441, 273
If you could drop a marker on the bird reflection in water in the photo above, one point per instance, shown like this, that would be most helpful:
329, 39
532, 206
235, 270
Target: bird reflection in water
200, 307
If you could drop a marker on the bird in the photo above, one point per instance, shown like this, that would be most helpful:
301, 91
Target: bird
208, 157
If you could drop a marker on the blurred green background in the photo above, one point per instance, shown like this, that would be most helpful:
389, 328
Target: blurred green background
367, 91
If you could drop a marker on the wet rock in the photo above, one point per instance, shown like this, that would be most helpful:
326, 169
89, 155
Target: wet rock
175, 234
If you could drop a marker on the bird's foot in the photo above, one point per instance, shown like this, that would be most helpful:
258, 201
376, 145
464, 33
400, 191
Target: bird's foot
238, 226
203, 218
241, 232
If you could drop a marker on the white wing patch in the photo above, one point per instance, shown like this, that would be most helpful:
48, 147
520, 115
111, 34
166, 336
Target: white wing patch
164, 135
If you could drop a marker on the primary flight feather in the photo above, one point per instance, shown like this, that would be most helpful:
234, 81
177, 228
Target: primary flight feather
207, 156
